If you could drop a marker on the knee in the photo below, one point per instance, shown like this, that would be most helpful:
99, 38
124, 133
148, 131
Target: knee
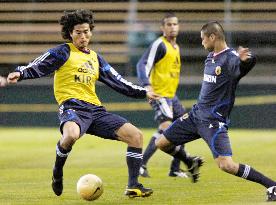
163, 144
227, 166
71, 134
137, 138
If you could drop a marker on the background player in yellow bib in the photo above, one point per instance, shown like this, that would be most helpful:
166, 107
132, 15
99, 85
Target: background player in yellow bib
77, 68
159, 70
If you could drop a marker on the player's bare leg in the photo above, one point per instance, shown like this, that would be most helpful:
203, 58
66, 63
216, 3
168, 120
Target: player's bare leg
226, 164
134, 138
71, 133
193, 163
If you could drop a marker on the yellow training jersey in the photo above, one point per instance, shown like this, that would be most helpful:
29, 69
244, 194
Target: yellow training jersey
76, 78
162, 74
76, 73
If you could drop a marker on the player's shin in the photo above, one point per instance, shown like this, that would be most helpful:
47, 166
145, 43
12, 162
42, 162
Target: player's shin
134, 161
248, 173
150, 150
61, 156
179, 153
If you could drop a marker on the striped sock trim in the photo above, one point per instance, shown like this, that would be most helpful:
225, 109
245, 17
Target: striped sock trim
246, 171
59, 153
134, 155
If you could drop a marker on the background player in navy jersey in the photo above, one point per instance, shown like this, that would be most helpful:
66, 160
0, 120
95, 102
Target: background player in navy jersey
77, 68
209, 118
159, 70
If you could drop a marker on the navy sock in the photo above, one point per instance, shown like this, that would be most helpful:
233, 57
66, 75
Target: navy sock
134, 161
178, 152
175, 164
61, 156
151, 148
251, 174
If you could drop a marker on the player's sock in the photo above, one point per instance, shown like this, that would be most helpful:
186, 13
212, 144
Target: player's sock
61, 156
181, 154
175, 164
134, 158
151, 148
251, 174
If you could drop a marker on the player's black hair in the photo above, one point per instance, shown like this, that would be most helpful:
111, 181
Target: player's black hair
72, 18
213, 27
167, 15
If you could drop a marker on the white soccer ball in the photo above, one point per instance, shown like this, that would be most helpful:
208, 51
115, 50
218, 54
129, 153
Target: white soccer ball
90, 187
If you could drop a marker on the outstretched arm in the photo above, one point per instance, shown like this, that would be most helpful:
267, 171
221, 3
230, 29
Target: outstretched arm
42, 66
113, 79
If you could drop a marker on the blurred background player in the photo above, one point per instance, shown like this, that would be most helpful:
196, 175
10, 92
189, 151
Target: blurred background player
77, 68
209, 118
159, 70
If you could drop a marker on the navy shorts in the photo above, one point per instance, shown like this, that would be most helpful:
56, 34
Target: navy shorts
167, 109
92, 119
188, 128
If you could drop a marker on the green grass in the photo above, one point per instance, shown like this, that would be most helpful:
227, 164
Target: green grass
27, 156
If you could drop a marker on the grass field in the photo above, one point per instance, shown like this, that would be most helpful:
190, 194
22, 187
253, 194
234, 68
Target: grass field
27, 156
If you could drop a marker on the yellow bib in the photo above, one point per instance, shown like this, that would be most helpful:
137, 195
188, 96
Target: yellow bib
164, 77
77, 77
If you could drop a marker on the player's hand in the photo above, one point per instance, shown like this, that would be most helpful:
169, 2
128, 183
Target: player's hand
151, 94
13, 77
244, 53
3, 81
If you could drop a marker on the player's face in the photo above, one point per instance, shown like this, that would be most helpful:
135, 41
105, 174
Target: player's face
171, 27
81, 35
207, 42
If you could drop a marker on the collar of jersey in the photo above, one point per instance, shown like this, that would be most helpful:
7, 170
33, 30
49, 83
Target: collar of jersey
216, 54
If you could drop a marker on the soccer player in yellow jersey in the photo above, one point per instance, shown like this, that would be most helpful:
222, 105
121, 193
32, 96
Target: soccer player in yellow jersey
159, 70
77, 68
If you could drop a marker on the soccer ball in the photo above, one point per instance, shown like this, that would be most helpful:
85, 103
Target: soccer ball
90, 187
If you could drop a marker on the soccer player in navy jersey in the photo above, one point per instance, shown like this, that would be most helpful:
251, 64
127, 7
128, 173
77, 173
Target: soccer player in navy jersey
77, 68
159, 70
209, 118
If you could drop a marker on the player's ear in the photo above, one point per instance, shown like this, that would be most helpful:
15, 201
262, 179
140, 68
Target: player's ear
212, 36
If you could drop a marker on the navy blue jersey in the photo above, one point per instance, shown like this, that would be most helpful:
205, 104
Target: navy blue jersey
222, 73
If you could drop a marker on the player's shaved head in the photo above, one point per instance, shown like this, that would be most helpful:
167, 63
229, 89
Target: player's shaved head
215, 28
72, 18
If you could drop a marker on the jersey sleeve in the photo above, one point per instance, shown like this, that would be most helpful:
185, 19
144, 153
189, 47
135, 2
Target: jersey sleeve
246, 66
114, 80
45, 64
233, 64
152, 55
238, 68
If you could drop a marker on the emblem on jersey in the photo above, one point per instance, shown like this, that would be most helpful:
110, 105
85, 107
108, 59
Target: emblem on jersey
87, 67
218, 70
185, 116
61, 109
